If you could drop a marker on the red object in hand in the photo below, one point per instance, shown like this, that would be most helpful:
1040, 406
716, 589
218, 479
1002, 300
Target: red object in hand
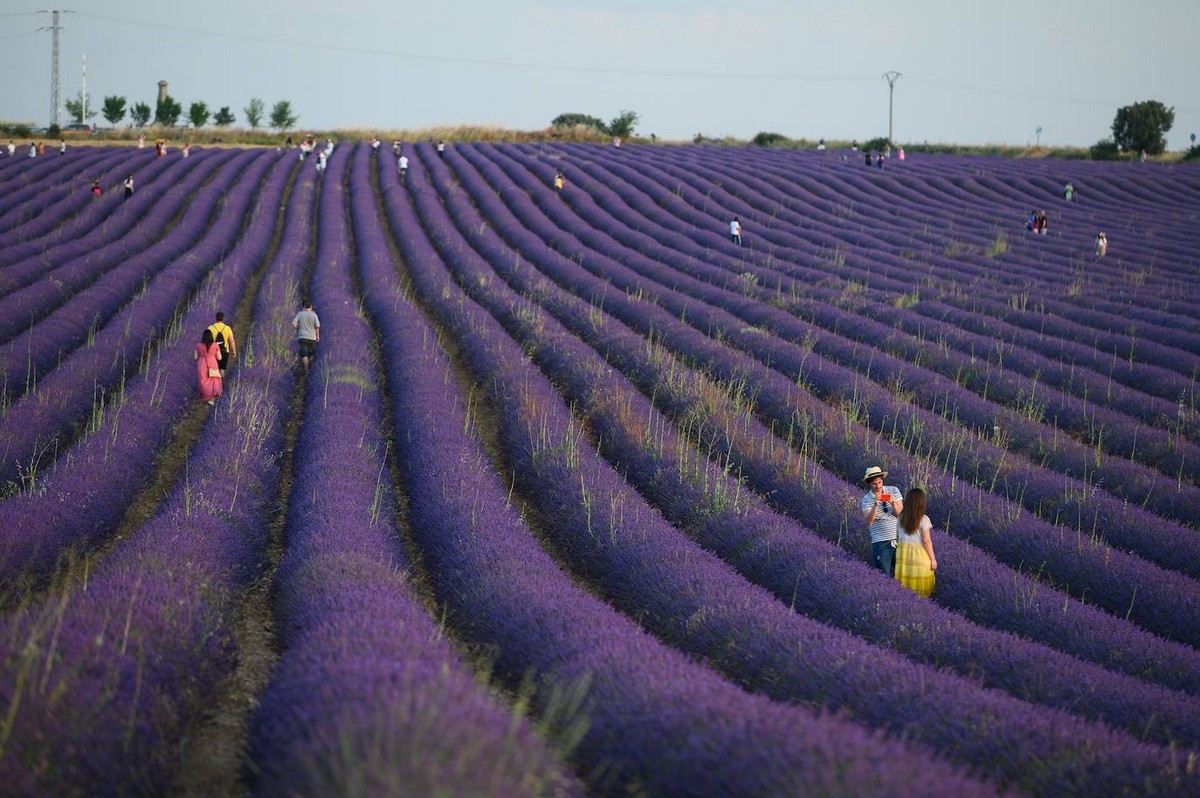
885, 497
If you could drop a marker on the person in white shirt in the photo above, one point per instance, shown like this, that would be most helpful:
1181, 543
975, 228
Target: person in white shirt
881, 506
735, 231
402, 163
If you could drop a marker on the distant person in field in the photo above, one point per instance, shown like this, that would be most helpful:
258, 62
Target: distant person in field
12, 149
900, 153
223, 335
308, 333
616, 141
1031, 221
441, 149
402, 164
208, 369
1101, 244
62, 147
735, 231
854, 146
375, 144
881, 505
868, 158
1143, 156
879, 161
1068, 191
142, 141
128, 185
32, 150
41, 148
915, 561
821, 145
1042, 223
186, 150
96, 187
559, 182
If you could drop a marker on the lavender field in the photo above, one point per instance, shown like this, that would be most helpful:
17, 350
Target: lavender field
568, 503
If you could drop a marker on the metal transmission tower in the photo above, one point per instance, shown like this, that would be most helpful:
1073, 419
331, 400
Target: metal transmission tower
54, 28
891, 78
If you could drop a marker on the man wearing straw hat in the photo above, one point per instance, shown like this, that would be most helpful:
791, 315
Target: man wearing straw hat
881, 506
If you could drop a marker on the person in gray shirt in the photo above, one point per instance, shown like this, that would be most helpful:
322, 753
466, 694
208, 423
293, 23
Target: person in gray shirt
308, 333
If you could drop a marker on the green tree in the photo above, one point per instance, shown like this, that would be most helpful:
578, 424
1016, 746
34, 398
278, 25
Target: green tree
254, 112
282, 117
223, 117
114, 109
768, 139
571, 120
167, 111
75, 108
140, 114
622, 124
1143, 126
198, 114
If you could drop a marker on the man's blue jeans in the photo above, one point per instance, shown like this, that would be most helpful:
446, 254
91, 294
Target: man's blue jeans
885, 557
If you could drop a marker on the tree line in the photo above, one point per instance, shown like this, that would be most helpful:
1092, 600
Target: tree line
168, 111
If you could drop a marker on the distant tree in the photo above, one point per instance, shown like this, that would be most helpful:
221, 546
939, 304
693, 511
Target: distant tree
765, 139
140, 114
75, 108
622, 124
254, 112
876, 144
1143, 126
224, 117
282, 117
1104, 150
114, 109
198, 114
167, 111
571, 120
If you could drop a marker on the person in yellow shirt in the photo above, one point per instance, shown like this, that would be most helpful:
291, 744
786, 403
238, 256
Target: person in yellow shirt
559, 181
223, 335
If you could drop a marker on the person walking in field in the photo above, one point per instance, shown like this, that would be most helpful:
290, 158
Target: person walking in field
735, 231
128, 185
880, 506
1068, 191
308, 333
96, 187
1101, 244
559, 182
441, 149
915, 560
402, 163
208, 369
223, 335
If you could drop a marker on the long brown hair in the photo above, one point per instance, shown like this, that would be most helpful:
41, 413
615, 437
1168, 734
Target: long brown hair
913, 511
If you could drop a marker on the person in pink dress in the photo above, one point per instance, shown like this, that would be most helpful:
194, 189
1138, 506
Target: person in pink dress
208, 367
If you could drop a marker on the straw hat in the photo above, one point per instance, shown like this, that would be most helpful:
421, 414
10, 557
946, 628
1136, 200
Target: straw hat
872, 472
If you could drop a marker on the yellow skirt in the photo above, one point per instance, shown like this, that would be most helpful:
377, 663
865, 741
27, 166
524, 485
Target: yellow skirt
912, 568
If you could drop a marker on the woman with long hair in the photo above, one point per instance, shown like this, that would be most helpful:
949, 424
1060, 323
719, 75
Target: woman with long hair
915, 562
208, 367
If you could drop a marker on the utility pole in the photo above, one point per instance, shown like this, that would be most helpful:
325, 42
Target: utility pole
891, 78
83, 93
54, 29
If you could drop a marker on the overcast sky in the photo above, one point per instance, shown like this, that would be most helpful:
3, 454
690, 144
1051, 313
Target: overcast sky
972, 72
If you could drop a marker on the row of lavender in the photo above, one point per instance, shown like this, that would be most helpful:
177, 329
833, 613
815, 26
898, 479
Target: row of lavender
636, 561
1164, 602
354, 703
104, 679
653, 718
888, 275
